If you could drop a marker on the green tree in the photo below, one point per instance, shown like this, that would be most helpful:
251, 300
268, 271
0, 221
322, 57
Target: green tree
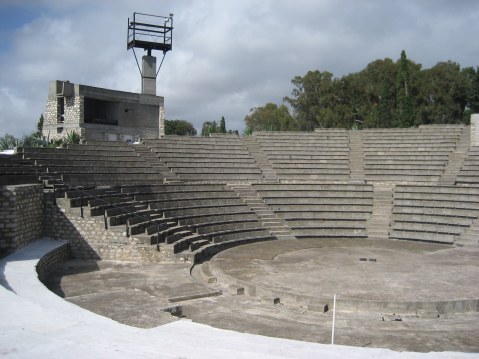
270, 118
404, 95
179, 128
209, 128
40, 123
312, 93
222, 128
443, 94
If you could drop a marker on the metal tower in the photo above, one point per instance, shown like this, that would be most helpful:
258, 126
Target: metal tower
149, 32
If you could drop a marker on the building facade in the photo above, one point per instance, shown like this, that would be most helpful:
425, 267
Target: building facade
102, 114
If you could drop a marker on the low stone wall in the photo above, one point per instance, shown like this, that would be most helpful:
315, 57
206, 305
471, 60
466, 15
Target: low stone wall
52, 259
21, 216
90, 240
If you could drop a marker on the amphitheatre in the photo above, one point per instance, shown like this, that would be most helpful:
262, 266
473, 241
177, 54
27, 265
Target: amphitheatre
236, 246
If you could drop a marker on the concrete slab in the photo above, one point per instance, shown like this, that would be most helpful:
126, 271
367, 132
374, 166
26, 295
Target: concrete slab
34, 322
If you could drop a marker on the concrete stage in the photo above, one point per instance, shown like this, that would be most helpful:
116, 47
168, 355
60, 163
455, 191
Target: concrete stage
391, 294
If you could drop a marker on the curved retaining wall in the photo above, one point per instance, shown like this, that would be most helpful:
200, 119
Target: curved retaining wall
52, 259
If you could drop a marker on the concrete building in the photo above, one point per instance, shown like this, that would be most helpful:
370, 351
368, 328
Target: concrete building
102, 114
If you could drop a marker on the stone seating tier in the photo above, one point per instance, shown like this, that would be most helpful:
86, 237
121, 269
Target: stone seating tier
185, 213
178, 166
150, 197
224, 177
193, 156
168, 188
95, 179
213, 171
129, 162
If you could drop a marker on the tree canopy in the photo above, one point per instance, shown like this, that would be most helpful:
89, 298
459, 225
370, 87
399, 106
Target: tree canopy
210, 127
386, 93
179, 128
270, 118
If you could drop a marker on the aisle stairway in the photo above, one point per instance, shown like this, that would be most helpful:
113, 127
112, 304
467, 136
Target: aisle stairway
259, 156
276, 226
356, 157
456, 159
378, 224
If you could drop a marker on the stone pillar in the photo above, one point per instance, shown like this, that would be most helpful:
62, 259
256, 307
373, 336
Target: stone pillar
162, 121
148, 75
475, 129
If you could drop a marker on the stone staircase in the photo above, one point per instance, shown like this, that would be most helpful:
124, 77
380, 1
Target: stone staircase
470, 235
377, 225
456, 159
356, 158
151, 157
276, 226
269, 174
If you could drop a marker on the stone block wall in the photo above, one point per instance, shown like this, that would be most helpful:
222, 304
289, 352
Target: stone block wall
50, 261
21, 216
89, 239
475, 130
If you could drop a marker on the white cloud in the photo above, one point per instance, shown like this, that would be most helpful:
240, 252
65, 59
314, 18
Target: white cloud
228, 56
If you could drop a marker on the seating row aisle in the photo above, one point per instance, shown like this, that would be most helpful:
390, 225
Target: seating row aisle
321, 210
322, 155
408, 155
178, 217
96, 164
206, 159
433, 213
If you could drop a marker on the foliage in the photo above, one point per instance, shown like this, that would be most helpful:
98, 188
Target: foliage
384, 94
222, 128
270, 118
72, 137
208, 128
9, 142
179, 128
248, 131
40, 123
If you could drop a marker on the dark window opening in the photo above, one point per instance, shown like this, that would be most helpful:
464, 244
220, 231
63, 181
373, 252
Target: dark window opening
61, 119
101, 112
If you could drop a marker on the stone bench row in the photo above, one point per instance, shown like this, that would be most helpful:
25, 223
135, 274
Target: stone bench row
110, 169
306, 233
179, 166
435, 211
325, 187
168, 188
406, 158
130, 162
333, 201
74, 157
293, 165
343, 158
420, 236
401, 177
307, 151
313, 177
202, 170
435, 204
321, 171
220, 177
432, 219
210, 250
110, 179
194, 155
441, 197
295, 144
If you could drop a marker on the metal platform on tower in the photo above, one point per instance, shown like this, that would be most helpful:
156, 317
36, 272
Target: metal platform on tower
150, 32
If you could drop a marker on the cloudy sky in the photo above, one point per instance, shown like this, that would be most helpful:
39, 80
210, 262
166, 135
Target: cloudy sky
228, 55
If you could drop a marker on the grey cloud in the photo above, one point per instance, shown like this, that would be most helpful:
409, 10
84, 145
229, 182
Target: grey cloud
228, 56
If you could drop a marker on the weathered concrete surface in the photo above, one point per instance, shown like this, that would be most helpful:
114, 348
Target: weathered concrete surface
137, 291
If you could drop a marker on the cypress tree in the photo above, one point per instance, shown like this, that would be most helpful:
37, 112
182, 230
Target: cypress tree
404, 99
